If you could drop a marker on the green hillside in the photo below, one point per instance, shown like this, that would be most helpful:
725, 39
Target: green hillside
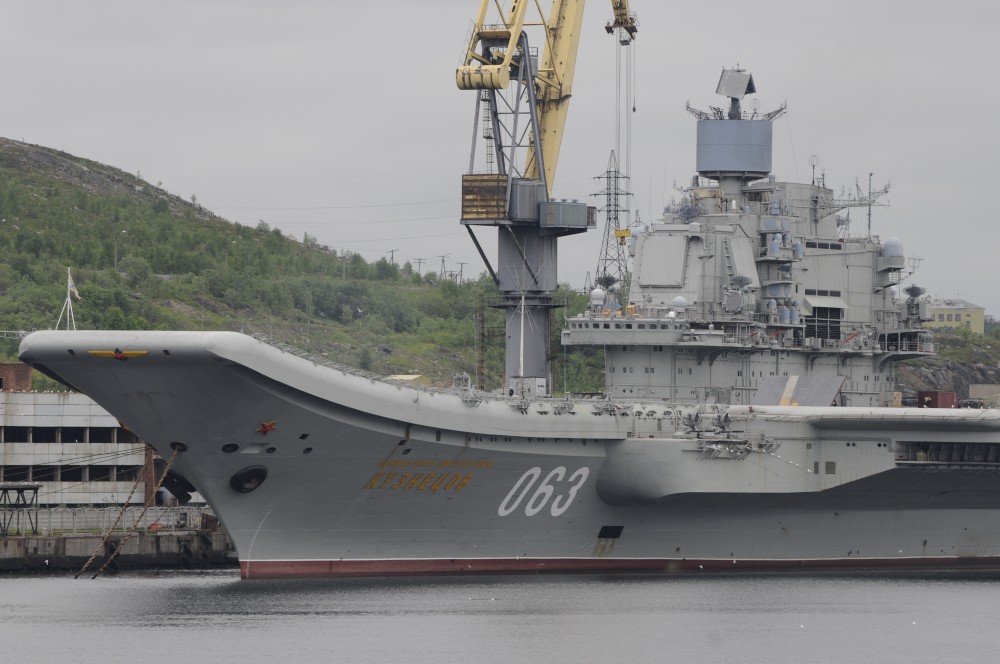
145, 259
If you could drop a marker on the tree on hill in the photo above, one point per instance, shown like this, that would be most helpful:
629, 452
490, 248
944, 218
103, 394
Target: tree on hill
145, 259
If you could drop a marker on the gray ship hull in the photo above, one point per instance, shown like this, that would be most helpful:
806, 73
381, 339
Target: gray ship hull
317, 470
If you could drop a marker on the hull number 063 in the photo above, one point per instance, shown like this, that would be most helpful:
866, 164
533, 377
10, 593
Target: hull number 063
556, 491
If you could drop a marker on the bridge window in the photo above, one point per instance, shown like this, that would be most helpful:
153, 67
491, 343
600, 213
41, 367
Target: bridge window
824, 323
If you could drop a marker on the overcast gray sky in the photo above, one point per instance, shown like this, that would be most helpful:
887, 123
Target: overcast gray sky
342, 119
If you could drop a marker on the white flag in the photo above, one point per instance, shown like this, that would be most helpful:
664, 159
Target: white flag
72, 286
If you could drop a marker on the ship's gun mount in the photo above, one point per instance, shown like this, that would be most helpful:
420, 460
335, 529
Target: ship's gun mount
706, 419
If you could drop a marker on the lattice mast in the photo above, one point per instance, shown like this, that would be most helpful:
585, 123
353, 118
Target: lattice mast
612, 273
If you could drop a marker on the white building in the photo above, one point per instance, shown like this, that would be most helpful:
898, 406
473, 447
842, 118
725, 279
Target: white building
73, 448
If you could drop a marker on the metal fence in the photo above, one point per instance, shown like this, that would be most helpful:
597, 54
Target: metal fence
59, 520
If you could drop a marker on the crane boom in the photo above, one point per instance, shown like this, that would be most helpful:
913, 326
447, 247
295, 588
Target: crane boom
493, 51
624, 19
555, 85
491, 69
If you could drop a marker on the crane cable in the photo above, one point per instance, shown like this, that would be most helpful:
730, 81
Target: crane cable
148, 503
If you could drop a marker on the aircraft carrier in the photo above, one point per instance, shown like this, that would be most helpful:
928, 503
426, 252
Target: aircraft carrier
749, 421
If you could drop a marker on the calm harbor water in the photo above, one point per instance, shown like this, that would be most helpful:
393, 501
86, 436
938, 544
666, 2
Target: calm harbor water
215, 617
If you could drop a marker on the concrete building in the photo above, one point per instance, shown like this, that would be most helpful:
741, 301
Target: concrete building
956, 313
76, 452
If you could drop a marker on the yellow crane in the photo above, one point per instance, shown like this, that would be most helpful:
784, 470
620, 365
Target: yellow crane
495, 49
521, 106
624, 19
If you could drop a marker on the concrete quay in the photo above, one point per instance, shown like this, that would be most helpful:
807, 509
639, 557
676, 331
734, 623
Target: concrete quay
175, 549
65, 538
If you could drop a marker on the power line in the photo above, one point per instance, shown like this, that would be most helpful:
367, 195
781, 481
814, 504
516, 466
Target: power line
333, 207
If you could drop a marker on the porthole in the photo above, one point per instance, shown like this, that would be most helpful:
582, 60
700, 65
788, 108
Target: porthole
180, 447
229, 448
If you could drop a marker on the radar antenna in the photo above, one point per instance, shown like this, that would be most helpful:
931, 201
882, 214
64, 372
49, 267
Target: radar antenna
872, 198
860, 198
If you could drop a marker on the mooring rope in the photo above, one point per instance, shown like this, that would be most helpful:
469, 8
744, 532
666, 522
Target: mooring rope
148, 503
121, 513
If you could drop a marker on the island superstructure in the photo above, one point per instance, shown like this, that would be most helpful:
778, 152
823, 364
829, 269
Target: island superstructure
753, 285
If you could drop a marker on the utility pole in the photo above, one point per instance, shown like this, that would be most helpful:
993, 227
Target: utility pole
460, 265
419, 262
443, 271
392, 256
117, 235
344, 255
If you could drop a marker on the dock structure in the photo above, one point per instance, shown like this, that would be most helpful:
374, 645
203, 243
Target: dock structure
167, 538
18, 500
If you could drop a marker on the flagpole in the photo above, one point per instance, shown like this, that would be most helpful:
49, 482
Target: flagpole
68, 304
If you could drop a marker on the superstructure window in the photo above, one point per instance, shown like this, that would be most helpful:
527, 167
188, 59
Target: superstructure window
824, 323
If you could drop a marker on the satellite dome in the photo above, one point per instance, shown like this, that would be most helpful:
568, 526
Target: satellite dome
893, 247
679, 303
597, 297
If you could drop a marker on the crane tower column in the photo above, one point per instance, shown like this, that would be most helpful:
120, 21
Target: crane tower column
523, 120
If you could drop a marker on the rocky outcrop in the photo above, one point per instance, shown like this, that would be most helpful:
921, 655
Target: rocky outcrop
941, 374
962, 361
93, 177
